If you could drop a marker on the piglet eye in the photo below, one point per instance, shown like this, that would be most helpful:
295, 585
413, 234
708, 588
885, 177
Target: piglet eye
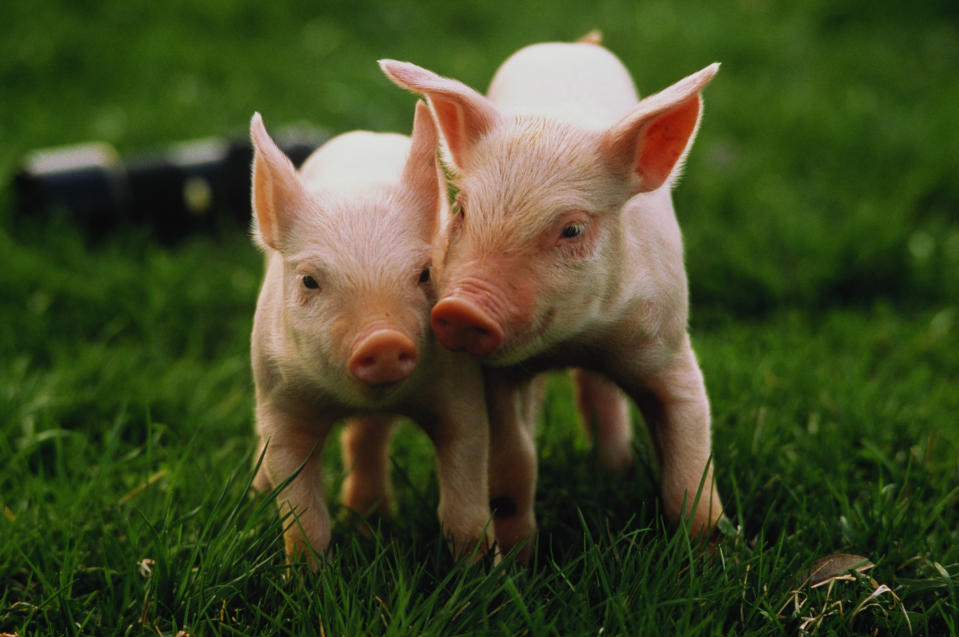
425, 275
310, 283
459, 210
573, 230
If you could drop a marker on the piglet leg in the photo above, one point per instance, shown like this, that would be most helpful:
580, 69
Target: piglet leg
366, 446
674, 404
514, 405
605, 412
461, 438
292, 449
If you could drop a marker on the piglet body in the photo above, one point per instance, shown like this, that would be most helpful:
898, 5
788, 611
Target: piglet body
581, 84
565, 250
342, 330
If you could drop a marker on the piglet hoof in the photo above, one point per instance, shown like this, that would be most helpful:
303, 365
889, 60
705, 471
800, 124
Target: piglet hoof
515, 533
473, 551
364, 512
299, 550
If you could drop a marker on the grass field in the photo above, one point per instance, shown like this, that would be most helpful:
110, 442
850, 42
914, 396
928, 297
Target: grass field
820, 208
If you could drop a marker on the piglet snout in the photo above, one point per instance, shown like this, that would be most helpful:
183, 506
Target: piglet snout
385, 356
460, 324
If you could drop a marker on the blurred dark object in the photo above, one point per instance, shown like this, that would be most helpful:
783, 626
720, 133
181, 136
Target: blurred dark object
192, 187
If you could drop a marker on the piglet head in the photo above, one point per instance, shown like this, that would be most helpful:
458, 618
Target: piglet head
537, 244
355, 290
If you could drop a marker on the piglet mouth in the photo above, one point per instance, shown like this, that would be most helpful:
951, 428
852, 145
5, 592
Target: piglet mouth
380, 391
523, 345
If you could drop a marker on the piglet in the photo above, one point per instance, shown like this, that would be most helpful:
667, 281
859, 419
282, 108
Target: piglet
565, 249
342, 330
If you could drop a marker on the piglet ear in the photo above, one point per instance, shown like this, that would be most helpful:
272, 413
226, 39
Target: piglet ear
422, 175
463, 115
278, 193
650, 143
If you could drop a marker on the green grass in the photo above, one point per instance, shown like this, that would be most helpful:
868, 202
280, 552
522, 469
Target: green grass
820, 213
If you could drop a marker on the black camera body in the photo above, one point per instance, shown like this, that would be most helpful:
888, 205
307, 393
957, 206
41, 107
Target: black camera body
193, 187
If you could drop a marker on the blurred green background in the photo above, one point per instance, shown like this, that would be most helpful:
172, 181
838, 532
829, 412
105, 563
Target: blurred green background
825, 170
